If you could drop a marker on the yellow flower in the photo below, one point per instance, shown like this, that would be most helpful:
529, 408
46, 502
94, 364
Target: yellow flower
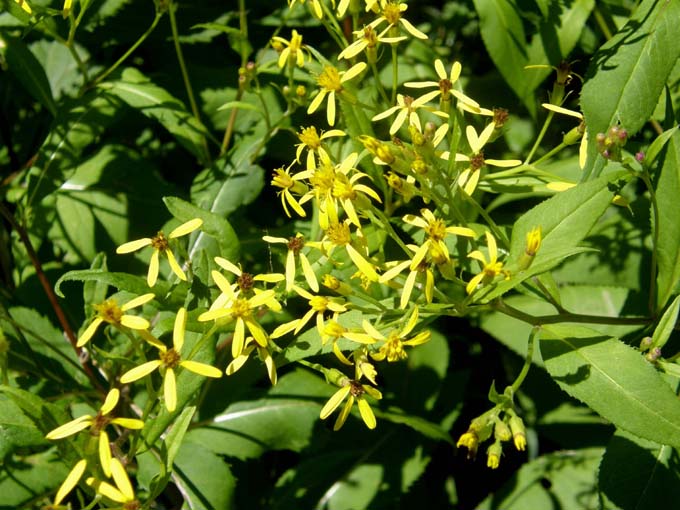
436, 231
406, 106
293, 52
583, 147
490, 268
335, 331
24, 5
393, 346
264, 354
67, 8
423, 269
368, 39
470, 441
318, 305
352, 390
316, 6
331, 82
110, 312
97, 425
295, 245
311, 140
290, 184
122, 492
493, 455
241, 310
444, 87
168, 361
160, 244
391, 13
339, 235
470, 176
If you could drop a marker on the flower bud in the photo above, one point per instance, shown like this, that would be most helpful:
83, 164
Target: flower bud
501, 431
646, 343
470, 441
493, 455
533, 243
518, 430
653, 355
336, 285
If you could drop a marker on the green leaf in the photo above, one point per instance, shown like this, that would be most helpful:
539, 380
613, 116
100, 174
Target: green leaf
223, 240
284, 419
16, 430
203, 478
667, 192
565, 219
157, 103
23, 64
658, 144
95, 291
121, 281
629, 72
60, 66
27, 479
666, 324
613, 379
45, 416
173, 440
565, 480
638, 474
420, 425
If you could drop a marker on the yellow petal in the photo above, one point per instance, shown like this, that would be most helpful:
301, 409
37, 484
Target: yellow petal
134, 322
122, 480
89, 332
105, 453
239, 360
269, 363
334, 402
70, 428
178, 330
366, 413
201, 368
170, 390
140, 371
110, 401
71, 481
186, 228
138, 301
152, 275
108, 491
133, 245
175, 266
344, 413
129, 423
225, 264
310, 276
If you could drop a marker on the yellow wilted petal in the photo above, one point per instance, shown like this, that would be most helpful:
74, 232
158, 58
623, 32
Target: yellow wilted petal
70, 428
89, 332
170, 390
71, 481
134, 322
140, 371
186, 228
105, 453
133, 245
366, 413
334, 402
201, 368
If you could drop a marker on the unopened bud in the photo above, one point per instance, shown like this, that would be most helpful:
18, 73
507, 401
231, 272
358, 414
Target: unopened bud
640, 157
646, 343
518, 429
533, 243
493, 455
653, 355
502, 431
336, 285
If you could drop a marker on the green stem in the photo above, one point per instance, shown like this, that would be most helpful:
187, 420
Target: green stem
130, 50
655, 240
395, 73
527, 362
544, 129
378, 84
495, 230
550, 153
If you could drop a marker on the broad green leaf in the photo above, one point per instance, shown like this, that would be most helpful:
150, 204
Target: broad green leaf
23, 480
420, 425
26, 68
667, 192
284, 419
223, 241
78, 124
95, 291
566, 480
658, 144
121, 281
44, 415
629, 72
613, 379
155, 102
638, 474
45, 347
60, 66
16, 430
666, 324
203, 478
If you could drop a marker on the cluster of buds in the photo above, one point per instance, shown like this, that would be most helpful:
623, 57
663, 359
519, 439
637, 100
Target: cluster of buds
652, 352
501, 429
610, 144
